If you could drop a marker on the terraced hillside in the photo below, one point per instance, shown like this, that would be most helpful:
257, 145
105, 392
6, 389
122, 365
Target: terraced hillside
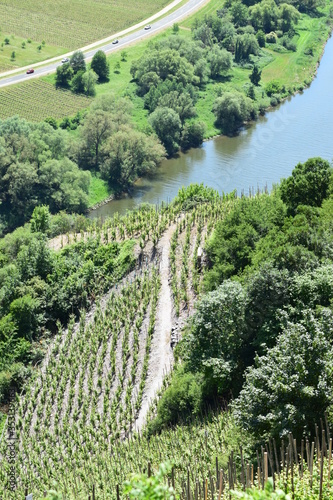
96, 383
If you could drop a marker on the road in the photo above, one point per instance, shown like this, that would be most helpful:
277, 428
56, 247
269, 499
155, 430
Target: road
109, 47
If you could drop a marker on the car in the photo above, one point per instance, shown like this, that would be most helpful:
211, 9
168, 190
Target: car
147, 27
115, 41
31, 70
65, 60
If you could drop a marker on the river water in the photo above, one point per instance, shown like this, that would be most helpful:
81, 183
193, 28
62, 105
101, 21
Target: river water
262, 153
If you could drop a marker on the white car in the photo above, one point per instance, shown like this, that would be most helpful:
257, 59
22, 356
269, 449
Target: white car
147, 27
115, 41
65, 60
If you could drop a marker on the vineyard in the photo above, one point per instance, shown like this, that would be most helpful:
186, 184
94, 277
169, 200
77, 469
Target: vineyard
47, 101
98, 380
72, 24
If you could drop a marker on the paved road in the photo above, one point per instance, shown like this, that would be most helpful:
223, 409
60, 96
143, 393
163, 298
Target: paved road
109, 47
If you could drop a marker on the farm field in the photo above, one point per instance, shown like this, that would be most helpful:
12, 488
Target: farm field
291, 69
72, 24
37, 100
89, 403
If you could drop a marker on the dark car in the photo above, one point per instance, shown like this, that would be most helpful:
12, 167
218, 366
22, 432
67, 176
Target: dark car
115, 41
31, 70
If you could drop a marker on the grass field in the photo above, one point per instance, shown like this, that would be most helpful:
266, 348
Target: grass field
65, 24
25, 52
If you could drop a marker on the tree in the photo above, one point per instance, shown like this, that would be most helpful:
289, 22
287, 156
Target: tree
239, 13
255, 76
213, 345
289, 388
64, 74
97, 127
77, 82
246, 45
231, 110
288, 16
167, 125
77, 61
192, 135
220, 61
308, 184
89, 79
181, 102
129, 154
40, 219
201, 70
100, 65
261, 38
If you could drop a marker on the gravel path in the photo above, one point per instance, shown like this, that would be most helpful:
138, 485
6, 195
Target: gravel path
161, 357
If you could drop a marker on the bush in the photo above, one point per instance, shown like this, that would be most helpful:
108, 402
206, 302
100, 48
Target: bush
192, 135
181, 400
273, 87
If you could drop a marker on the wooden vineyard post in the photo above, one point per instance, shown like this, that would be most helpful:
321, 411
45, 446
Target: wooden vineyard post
220, 485
302, 457
149, 469
329, 461
93, 492
206, 489
265, 467
117, 489
173, 477
311, 463
321, 473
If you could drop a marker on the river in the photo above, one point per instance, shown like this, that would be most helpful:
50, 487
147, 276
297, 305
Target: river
263, 153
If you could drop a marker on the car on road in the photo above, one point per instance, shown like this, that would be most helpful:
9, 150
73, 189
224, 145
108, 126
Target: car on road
115, 41
147, 27
29, 71
65, 60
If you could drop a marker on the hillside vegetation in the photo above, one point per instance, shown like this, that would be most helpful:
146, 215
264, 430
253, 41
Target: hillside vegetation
261, 331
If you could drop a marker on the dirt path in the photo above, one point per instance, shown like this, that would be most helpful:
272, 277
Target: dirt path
161, 357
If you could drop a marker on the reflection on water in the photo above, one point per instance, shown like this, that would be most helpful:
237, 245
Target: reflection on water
260, 155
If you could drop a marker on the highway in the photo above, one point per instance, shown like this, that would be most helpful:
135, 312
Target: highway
123, 41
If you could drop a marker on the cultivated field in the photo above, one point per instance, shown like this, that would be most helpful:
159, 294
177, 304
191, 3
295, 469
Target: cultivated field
99, 376
72, 23
37, 100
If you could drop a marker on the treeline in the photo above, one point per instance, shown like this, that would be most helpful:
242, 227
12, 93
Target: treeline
262, 335
43, 165
40, 287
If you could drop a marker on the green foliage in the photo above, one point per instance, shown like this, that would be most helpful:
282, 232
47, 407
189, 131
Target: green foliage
181, 401
287, 386
167, 125
129, 154
89, 79
192, 135
142, 487
255, 76
64, 74
35, 170
77, 62
232, 110
308, 184
213, 345
40, 219
268, 493
100, 65
246, 45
